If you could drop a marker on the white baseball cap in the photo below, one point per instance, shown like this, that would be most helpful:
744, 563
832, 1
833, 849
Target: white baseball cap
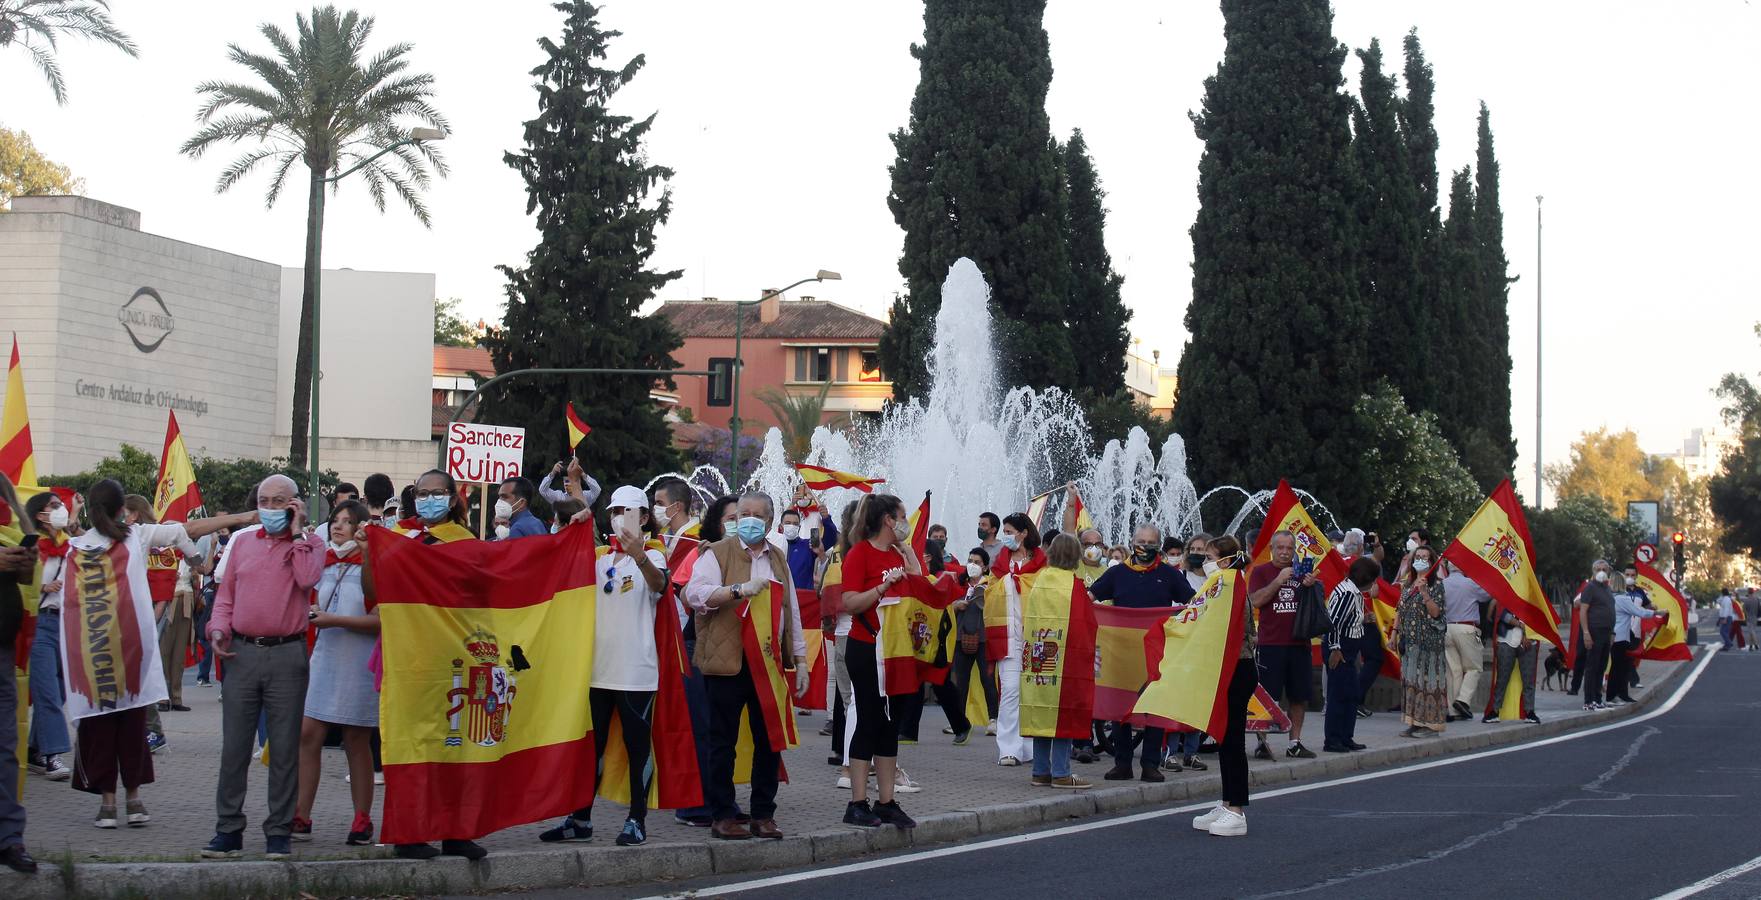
628, 497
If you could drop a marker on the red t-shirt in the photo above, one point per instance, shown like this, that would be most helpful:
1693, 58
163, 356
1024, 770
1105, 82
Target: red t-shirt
863, 568
1275, 617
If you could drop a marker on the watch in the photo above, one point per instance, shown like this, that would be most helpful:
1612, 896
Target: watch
735, 589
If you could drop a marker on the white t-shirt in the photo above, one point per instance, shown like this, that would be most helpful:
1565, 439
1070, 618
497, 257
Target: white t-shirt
624, 656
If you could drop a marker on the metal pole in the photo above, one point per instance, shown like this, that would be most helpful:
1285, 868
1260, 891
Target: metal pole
1538, 482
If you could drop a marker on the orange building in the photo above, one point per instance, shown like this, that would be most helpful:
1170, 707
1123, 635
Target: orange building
795, 345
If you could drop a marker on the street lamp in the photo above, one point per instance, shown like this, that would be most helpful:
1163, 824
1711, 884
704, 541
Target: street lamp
417, 136
739, 321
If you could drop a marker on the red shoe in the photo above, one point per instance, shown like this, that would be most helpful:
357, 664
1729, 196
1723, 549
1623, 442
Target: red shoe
361, 832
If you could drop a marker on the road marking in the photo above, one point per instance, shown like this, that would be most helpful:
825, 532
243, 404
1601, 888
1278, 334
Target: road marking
1079, 828
1712, 881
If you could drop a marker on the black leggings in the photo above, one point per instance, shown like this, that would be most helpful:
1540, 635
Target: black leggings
634, 709
873, 732
1232, 752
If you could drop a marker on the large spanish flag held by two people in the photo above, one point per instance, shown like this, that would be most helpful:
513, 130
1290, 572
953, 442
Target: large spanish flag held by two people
1670, 640
176, 496
1495, 550
18, 461
820, 478
487, 654
1057, 657
1121, 643
1196, 652
1288, 514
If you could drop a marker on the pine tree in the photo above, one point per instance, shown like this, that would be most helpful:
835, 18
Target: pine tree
1391, 233
1264, 387
977, 176
1492, 316
1094, 308
576, 301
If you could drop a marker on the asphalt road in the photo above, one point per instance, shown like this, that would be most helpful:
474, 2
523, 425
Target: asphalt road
1637, 810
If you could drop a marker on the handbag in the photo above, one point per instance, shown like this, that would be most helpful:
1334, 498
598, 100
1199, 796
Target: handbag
1311, 615
969, 643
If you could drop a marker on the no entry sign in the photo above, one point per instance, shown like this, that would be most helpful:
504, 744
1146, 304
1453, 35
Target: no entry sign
484, 453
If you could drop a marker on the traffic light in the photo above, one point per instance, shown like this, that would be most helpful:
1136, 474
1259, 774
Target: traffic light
721, 383
1678, 540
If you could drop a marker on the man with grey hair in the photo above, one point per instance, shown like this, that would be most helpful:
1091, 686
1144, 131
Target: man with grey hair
1285, 669
727, 576
258, 628
1144, 582
1597, 630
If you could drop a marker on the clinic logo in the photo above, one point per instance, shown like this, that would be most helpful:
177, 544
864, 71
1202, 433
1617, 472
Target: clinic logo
147, 320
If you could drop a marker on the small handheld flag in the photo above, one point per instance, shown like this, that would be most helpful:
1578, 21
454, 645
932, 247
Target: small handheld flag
175, 493
819, 478
17, 461
577, 428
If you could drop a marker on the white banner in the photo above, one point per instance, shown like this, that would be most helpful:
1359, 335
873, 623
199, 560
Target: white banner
484, 453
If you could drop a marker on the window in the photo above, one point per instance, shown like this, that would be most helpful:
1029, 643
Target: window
822, 364
870, 373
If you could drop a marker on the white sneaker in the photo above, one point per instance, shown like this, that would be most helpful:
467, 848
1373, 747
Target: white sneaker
844, 782
54, 769
1229, 824
991, 729
1203, 823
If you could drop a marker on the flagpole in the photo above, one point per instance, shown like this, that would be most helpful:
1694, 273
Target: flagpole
1538, 481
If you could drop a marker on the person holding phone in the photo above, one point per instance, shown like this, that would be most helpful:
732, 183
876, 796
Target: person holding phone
49, 738
1286, 670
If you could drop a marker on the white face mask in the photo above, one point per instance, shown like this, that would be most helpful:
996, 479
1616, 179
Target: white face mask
58, 518
660, 516
504, 509
1211, 567
1091, 552
1411, 545
902, 530
791, 531
974, 570
1421, 565
1111, 563
502, 532
1601, 575
554, 528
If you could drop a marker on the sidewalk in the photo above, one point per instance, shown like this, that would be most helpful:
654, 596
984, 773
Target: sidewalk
964, 793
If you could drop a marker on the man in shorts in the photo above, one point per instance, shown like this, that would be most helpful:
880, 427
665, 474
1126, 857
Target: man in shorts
1285, 669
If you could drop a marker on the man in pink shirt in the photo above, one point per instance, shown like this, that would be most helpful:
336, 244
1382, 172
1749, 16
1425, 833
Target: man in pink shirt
258, 627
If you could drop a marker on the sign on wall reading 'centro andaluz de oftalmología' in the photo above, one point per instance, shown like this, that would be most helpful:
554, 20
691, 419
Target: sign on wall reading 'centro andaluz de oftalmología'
484, 453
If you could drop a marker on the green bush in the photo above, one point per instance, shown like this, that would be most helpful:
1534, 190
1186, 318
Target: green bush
226, 484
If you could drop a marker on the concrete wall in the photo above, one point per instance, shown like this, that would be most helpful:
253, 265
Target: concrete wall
353, 459
72, 272
375, 347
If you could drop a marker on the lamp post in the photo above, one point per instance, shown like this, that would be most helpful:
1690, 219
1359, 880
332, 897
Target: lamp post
739, 321
1538, 488
417, 136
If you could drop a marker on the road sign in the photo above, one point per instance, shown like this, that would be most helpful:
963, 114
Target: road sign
1645, 553
484, 453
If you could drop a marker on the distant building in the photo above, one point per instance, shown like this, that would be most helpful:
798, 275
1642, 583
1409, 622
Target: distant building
1702, 452
454, 382
1148, 381
797, 346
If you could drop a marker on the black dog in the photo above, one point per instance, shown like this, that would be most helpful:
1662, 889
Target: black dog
1556, 668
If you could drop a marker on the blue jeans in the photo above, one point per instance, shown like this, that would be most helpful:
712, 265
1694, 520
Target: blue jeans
1185, 743
205, 667
48, 726
1724, 632
1051, 756
697, 702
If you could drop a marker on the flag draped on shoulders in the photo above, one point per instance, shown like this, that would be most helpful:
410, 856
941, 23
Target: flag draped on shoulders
175, 494
1010, 582
820, 478
1121, 643
1495, 550
1196, 654
1057, 657
1670, 639
109, 646
487, 652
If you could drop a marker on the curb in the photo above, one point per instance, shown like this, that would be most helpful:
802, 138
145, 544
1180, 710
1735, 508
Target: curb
603, 866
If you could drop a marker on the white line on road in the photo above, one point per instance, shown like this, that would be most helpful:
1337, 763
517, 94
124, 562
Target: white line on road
1011, 840
1712, 881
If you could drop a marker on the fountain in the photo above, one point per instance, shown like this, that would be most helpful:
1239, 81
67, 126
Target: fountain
978, 446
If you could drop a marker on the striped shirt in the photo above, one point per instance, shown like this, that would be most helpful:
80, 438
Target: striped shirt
1345, 608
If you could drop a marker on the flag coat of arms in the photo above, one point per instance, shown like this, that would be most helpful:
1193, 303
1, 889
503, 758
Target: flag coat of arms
1386, 607
109, 645
917, 632
176, 495
1057, 657
1002, 602
1195, 655
487, 651
1121, 645
1288, 514
1495, 550
1670, 639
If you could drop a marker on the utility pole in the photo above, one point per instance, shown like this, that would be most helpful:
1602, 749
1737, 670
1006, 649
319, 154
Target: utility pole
1538, 482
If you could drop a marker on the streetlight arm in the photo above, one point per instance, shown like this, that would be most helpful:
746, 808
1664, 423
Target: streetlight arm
358, 166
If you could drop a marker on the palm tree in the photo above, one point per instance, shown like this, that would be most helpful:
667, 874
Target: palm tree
323, 102
37, 24
797, 416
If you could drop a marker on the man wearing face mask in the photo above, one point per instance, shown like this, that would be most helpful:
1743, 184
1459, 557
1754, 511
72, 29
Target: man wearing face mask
988, 528
1143, 582
725, 577
1094, 556
1597, 624
514, 500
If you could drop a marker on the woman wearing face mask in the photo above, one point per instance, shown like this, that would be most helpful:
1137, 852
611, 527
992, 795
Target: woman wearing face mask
879, 559
969, 646
1012, 573
49, 738
1229, 817
340, 686
99, 563
1424, 669
626, 661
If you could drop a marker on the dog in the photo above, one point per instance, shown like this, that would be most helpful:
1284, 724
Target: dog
1555, 664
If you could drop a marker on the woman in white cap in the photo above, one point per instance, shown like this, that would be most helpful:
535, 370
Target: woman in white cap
626, 664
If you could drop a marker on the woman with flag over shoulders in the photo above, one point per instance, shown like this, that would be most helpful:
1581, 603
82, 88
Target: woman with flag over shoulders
878, 559
1056, 681
1419, 630
107, 581
1013, 572
1229, 817
626, 658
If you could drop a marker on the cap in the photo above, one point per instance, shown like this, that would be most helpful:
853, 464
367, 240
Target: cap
628, 497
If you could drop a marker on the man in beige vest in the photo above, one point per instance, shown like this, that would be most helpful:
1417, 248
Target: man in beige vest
725, 575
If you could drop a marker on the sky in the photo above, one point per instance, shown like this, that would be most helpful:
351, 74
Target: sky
1635, 121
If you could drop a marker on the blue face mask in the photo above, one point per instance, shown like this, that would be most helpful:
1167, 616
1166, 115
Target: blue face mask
274, 521
751, 530
432, 509
1013, 542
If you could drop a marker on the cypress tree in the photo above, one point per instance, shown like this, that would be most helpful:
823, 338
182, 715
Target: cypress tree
576, 301
1263, 386
1392, 240
1417, 128
977, 175
1094, 308
1492, 314
1466, 350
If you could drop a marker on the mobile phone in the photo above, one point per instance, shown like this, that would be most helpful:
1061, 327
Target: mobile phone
1304, 566
814, 534
28, 541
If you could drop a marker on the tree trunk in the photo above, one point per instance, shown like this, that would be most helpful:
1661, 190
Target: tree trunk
300, 427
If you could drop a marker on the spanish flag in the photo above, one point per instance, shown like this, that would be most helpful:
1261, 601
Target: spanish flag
917, 632
1671, 638
1507, 699
1287, 514
1124, 666
577, 428
1079, 512
819, 478
487, 652
763, 618
175, 494
1010, 582
1057, 657
1386, 605
18, 462
1494, 549
1196, 655
673, 779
